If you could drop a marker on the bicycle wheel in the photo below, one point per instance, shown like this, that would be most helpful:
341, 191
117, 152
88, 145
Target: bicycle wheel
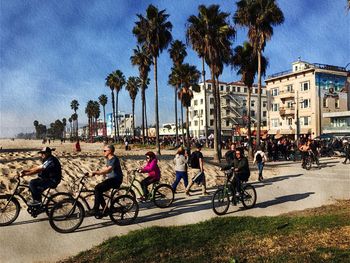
163, 195
54, 199
248, 196
220, 202
124, 209
124, 190
9, 210
66, 216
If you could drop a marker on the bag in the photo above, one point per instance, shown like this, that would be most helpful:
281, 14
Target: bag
198, 178
258, 158
193, 160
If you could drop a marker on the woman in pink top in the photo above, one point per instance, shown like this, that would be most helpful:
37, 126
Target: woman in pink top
153, 173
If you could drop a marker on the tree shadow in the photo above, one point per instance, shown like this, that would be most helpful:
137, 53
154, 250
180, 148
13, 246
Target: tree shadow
284, 199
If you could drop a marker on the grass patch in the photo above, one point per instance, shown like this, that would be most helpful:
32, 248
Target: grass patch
316, 235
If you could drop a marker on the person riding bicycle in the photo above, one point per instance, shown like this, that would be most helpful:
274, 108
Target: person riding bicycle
241, 170
304, 150
314, 150
114, 180
50, 175
153, 173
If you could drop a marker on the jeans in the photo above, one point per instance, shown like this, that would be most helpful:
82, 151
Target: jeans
103, 187
260, 168
145, 183
39, 185
179, 176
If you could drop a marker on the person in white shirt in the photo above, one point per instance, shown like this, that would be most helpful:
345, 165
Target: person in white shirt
260, 159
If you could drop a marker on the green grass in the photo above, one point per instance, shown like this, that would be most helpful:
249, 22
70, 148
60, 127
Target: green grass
288, 238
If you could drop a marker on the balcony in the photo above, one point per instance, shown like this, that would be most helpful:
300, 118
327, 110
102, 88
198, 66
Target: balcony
286, 94
287, 111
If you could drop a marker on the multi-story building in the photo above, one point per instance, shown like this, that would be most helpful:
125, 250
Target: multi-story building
299, 97
233, 105
124, 122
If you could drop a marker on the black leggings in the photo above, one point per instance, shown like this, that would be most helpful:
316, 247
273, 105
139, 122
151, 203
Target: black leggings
103, 187
146, 182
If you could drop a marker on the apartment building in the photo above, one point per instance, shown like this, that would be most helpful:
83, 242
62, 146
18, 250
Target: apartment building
233, 106
299, 97
125, 124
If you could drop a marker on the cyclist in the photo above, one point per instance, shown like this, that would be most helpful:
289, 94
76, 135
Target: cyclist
314, 150
114, 180
153, 173
241, 169
50, 175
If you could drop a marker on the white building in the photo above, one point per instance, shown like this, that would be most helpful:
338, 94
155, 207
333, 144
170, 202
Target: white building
124, 120
233, 105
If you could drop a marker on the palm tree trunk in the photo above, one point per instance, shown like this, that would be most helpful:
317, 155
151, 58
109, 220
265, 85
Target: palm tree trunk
176, 124
250, 149
205, 104
188, 130
182, 124
143, 113
133, 118
219, 117
117, 113
146, 118
259, 100
216, 146
114, 120
104, 122
156, 105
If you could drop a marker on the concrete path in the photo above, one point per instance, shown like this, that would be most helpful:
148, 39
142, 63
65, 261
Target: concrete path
33, 240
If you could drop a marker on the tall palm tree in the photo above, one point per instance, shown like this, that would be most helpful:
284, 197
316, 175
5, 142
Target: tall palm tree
143, 60
259, 16
189, 76
75, 120
245, 60
75, 106
89, 113
110, 82
216, 36
64, 122
36, 124
71, 127
154, 32
132, 86
96, 114
118, 85
177, 53
103, 101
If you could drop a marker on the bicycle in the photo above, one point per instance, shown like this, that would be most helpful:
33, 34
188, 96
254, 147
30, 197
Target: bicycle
10, 206
309, 159
67, 215
226, 194
162, 195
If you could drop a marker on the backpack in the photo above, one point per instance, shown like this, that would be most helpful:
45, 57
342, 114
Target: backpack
258, 158
193, 160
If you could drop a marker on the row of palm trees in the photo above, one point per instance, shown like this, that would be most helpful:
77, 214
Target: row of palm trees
211, 35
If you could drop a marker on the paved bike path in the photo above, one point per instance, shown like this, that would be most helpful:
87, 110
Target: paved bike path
33, 240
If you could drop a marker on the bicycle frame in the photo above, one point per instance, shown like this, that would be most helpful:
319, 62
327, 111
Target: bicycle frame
140, 192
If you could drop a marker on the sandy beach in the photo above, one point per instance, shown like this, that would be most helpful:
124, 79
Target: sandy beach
21, 154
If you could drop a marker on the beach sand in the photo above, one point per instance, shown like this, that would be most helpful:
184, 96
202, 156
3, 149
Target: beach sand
16, 155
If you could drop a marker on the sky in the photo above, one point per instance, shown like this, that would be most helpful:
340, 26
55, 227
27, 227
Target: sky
54, 51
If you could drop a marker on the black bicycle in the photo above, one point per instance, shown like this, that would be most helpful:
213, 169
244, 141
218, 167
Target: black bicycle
10, 206
226, 194
67, 215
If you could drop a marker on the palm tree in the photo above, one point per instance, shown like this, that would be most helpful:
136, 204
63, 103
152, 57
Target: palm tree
153, 31
259, 16
132, 86
96, 114
246, 61
216, 35
189, 76
71, 127
75, 106
119, 82
143, 60
103, 101
64, 122
110, 82
177, 53
89, 113
75, 119
36, 124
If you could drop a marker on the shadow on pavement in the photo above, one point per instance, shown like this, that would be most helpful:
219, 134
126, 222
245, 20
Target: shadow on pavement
284, 199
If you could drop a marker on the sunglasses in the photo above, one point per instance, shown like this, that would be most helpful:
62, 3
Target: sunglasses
105, 150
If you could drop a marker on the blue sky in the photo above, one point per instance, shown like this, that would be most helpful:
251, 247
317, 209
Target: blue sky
52, 52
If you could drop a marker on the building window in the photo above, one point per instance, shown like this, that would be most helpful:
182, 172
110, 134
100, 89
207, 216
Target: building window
244, 102
337, 104
256, 91
227, 101
201, 112
245, 90
305, 104
238, 89
264, 113
211, 111
275, 107
290, 88
189, 123
195, 112
211, 122
202, 122
244, 112
209, 86
228, 89
289, 104
274, 92
201, 101
275, 123
325, 103
195, 102
264, 123
252, 113
227, 123
222, 88
252, 103
264, 104
305, 86
305, 121
290, 121
211, 101
233, 89
195, 123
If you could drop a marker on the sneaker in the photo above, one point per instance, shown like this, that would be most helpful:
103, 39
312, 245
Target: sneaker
34, 203
142, 199
260, 178
93, 212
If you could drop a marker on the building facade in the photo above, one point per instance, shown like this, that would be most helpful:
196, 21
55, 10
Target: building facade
299, 97
125, 124
233, 106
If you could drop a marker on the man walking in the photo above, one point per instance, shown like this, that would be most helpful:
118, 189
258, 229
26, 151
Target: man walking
260, 159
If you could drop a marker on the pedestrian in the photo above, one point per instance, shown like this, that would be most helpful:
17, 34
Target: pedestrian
260, 159
196, 161
77, 146
346, 150
180, 162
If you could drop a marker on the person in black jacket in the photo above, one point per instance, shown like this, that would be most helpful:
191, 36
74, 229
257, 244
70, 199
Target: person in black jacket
346, 150
241, 169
